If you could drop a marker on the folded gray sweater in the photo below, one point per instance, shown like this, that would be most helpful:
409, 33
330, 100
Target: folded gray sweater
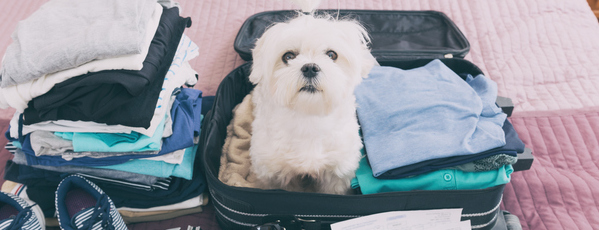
63, 34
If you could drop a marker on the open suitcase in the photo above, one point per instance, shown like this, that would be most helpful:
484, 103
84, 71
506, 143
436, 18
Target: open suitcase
403, 39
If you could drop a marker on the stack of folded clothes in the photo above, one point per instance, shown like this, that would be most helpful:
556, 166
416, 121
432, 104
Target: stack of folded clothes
430, 128
103, 95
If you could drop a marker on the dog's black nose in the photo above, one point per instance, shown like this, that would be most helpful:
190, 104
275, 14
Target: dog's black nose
310, 70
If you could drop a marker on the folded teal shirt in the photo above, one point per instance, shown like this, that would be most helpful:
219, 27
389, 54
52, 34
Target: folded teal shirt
115, 142
445, 179
159, 168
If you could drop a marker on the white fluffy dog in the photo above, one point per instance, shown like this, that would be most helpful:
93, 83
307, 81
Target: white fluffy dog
305, 133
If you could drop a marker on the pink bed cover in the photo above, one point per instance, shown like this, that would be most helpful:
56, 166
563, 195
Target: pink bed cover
543, 54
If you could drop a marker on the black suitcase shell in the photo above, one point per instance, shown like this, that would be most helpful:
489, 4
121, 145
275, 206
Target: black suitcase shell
404, 39
396, 35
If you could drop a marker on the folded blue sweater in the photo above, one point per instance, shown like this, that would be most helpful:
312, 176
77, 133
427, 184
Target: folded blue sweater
409, 116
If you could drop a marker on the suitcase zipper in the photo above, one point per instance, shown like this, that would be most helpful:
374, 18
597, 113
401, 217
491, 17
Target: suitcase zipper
484, 213
263, 215
234, 221
299, 216
485, 224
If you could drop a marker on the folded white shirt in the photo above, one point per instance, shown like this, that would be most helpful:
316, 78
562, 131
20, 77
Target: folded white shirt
65, 126
175, 157
17, 96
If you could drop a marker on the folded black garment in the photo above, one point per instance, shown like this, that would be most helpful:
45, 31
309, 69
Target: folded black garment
42, 184
124, 97
513, 146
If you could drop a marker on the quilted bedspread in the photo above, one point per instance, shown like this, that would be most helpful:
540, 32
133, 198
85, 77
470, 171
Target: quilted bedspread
543, 54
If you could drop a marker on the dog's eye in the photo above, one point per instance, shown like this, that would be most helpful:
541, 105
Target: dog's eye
332, 55
288, 56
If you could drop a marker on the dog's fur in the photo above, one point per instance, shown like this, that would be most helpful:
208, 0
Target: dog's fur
305, 133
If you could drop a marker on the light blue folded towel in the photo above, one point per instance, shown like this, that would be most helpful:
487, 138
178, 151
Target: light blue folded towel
115, 142
159, 168
409, 116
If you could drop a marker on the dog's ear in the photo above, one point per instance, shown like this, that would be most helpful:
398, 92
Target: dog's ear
257, 53
262, 54
261, 64
368, 62
356, 32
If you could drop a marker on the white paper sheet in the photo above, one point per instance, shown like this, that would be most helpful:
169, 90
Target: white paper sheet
441, 219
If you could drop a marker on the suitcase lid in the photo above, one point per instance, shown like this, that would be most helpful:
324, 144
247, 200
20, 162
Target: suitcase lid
395, 35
